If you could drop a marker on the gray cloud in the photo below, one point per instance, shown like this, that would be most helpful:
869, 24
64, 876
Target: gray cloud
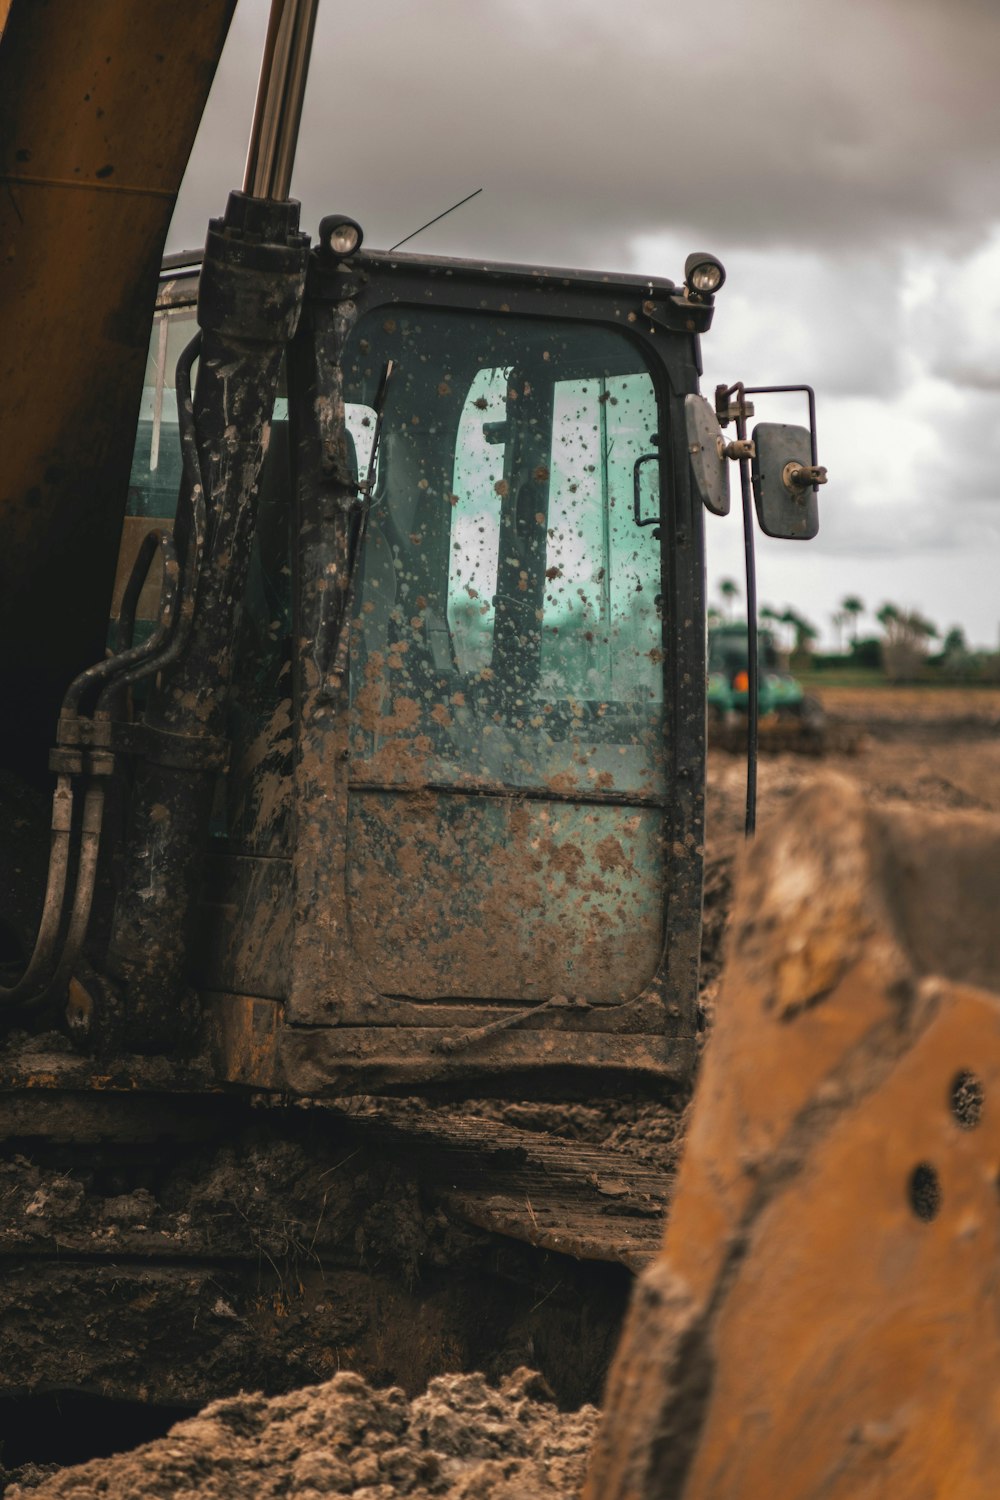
962, 483
957, 324
787, 314
840, 158
868, 122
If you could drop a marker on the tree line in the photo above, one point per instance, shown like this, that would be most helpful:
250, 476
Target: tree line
902, 649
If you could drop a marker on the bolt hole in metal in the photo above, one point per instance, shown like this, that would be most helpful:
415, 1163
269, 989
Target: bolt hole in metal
925, 1192
966, 1099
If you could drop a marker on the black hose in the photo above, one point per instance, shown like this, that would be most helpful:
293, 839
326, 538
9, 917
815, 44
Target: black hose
166, 642
52, 961
53, 958
83, 894
37, 975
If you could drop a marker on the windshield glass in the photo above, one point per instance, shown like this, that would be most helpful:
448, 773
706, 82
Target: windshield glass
509, 626
506, 756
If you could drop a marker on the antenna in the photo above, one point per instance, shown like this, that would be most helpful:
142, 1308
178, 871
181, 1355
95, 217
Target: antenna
447, 211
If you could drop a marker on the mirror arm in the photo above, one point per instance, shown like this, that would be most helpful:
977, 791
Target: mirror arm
810, 394
753, 655
801, 476
739, 410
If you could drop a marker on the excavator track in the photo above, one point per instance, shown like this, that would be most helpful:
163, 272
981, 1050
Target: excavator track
588, 1202
212, 1245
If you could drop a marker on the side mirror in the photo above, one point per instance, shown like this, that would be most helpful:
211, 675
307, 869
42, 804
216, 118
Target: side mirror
783, 479
646, 490
709, 466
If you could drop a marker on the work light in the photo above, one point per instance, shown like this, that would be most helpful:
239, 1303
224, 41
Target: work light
703, 275
339, 235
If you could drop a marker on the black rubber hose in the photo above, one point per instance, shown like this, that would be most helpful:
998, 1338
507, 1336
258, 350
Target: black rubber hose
52, 961
108, 671
38, 974
83, 894
167, 641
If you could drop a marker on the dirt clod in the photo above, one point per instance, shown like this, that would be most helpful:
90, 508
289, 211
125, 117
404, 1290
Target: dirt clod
461, 1440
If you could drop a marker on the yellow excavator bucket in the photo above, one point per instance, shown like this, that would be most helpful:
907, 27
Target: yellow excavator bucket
823, 1319
100, 101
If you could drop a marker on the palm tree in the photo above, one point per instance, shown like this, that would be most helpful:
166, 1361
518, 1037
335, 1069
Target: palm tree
729, 589
890, 619
805, 633
853, 607
907, 633
771, 620
839, 619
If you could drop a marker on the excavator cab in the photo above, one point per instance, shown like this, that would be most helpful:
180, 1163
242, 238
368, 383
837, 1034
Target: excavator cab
459, 833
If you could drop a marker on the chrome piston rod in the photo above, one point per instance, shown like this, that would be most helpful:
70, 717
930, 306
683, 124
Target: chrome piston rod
281, 89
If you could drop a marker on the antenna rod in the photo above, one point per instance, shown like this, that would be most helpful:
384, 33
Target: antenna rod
447, 211
277, 113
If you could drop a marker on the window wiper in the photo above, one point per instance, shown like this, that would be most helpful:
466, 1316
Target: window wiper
367, 485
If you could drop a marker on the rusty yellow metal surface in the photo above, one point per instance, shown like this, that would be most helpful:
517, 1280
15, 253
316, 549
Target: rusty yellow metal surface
245, 1033
824, 1317
100, 101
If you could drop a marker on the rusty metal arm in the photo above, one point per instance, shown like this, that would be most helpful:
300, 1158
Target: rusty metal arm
100, 101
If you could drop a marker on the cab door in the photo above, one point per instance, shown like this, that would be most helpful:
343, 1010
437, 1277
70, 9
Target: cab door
506, 767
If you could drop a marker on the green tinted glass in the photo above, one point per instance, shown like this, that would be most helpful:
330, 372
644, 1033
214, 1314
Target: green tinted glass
506, 763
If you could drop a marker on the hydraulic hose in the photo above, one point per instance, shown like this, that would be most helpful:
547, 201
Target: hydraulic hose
36, 977
83, 895
181, 571
52, 959
56, 951
250, 295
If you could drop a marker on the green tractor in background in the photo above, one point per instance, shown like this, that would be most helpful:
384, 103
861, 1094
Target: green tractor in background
789, 718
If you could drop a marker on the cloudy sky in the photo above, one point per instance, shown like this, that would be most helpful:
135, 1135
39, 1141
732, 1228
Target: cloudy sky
842, 159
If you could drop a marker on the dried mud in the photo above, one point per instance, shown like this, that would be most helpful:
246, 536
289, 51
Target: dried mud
461, 1440
465, 1437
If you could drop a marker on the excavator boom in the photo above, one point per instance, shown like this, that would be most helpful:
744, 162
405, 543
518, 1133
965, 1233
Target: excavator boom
100, 101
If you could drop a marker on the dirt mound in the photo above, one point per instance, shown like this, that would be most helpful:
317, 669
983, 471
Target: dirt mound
462, 1439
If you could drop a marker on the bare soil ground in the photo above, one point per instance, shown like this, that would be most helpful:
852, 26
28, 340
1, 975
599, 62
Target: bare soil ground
462, 1439
915, 706
465, 1437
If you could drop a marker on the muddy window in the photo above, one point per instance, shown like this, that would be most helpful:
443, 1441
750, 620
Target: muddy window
475, 525
509, 626
506, 765
600, 623
156, 460
360, 423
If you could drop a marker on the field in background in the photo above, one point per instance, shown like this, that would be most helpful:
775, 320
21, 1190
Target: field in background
863, 697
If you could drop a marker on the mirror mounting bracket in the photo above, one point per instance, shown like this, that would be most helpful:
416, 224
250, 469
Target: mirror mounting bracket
818, 474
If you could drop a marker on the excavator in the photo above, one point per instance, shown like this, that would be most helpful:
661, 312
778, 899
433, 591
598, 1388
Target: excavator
384, 792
